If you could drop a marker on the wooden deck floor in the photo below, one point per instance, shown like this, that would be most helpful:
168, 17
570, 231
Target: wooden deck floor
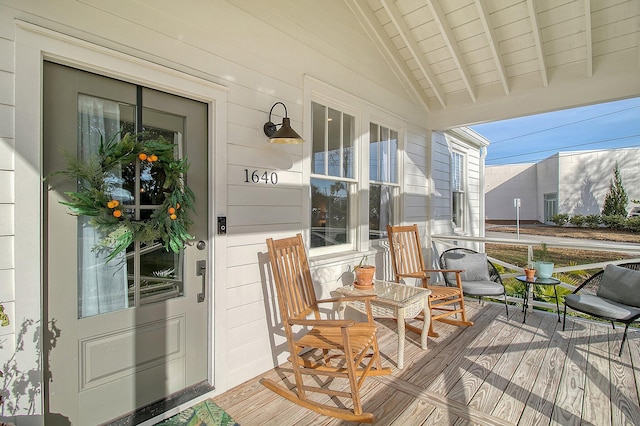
496, 372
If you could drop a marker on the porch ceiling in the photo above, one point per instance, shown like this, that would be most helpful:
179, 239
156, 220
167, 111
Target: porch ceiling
457, 57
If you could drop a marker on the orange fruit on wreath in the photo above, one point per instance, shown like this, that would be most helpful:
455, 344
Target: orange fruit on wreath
152, 158
142, 156
171, 210
117, 213
173, 217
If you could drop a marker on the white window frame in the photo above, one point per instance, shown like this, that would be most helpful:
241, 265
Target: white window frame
462, 188
364, 113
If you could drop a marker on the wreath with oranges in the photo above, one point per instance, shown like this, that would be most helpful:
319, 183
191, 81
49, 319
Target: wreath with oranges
100, 197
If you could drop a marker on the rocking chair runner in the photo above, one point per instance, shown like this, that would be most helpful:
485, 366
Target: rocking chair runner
408, 262
345, 346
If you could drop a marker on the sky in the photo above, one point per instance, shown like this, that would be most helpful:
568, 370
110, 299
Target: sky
534, 138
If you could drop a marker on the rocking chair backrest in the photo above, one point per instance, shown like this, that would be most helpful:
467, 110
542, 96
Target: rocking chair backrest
406, 254
296, 295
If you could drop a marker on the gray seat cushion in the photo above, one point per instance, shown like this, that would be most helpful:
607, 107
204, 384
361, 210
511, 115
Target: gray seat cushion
473, 265
482, 288
601, 306
620, 284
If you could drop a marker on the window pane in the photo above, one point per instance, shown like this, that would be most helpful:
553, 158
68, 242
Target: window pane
348, 142
457, 182
374, 148
393, 157
334, 153
380, 210
329, 213
458, 209
319, 119
384, 154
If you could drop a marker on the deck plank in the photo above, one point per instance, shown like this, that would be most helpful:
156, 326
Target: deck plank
569, 399
597, 401
625, 404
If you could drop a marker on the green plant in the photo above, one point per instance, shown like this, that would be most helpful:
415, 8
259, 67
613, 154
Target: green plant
560, 219
577, 220
614, 221
633, 224
544, 252
592, 221
616, 200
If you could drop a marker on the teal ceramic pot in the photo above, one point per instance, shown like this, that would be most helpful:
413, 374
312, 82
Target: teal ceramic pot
543, 269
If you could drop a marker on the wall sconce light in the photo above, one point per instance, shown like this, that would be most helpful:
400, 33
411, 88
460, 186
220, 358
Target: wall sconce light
286, 134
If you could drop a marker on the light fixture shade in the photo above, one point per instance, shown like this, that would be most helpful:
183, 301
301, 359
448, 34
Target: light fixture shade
286, 134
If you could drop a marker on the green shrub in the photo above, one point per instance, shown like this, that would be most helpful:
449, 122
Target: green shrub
560, 219
592, 221
633, 224
614, 221
577, 220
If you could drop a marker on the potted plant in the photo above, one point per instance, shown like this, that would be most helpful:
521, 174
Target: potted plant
364, 274
544, 267
530, 272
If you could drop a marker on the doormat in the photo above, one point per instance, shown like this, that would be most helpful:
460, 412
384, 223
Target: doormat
206, 413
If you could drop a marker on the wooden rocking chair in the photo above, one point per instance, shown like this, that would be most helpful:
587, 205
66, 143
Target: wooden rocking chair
408, 262
344, 346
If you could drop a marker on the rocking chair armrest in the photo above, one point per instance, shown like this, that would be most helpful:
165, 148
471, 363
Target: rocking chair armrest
322, 323
445, 270
418, 275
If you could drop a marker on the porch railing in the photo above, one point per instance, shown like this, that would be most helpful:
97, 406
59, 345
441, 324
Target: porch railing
444, 242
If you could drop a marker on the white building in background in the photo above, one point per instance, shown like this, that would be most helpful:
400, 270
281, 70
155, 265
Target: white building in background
572, 182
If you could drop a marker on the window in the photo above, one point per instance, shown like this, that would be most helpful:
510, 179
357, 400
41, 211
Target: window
457, 190
332, 176
383, 178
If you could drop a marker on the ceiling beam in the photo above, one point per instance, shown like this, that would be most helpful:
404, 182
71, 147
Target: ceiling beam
415, 50
588, 37
452, 44
493, 45
381, 40
535, 29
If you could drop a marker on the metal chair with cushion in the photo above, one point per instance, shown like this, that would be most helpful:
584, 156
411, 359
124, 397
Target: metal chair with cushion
480, 277
612, 294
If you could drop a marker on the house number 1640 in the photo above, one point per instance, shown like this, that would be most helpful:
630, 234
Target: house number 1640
258, 176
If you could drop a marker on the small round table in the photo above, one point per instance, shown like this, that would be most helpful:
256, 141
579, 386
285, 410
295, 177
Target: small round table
537, 281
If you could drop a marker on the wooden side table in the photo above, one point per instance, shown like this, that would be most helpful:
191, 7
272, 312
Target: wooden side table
393, 301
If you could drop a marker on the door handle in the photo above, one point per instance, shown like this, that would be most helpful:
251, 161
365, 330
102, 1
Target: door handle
201, 271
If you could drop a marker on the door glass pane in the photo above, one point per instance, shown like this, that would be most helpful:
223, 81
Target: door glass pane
102, 286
